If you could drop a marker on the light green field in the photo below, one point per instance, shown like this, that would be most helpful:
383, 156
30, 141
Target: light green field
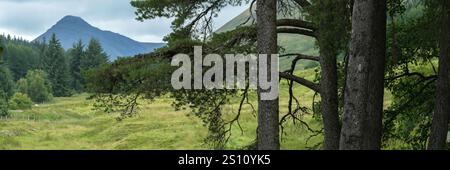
71, 123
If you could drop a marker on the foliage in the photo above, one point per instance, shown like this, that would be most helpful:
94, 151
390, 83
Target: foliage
22, 86
4, 110
118, 86
332, 18
5, 85
19, 55
93, 57
6, 82
411, 75
3, 101
20, 101
64, 70
76, 54
56, 66
20, 59
192, 19
36, 85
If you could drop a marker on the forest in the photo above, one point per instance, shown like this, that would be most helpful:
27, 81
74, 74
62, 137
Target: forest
378, 78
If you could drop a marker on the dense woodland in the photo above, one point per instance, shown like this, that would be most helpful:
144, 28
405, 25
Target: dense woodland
367, 48
35, 72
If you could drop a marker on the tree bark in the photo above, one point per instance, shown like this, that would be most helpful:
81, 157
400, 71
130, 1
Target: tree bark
364, 91
329, 49
439, 127
329, 99
268, 118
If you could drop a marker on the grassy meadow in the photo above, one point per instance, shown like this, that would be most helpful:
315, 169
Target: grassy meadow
72, 123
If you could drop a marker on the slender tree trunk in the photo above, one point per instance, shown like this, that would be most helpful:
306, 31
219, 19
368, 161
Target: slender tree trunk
363, 105
334, 15
329, 98
439, 127
268, 123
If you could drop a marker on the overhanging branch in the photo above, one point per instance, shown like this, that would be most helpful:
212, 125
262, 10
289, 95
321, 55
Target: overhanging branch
302, 81
296, 23
297, 31
301, 56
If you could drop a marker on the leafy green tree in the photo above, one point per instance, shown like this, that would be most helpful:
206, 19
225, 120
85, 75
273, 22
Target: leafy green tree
36, 85
22, 86
56, 66
411, 76
76, 53
94, 56
20, 58
20, 101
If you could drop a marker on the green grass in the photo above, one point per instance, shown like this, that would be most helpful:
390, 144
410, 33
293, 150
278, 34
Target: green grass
71, 123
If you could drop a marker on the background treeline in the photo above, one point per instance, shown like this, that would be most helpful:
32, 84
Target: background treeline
35, 72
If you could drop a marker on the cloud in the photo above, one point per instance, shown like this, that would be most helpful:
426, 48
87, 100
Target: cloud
30, 18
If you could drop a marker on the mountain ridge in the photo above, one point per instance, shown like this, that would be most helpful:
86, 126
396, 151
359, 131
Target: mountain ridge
71, 29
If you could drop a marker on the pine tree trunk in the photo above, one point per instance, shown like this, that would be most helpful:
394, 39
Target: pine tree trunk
439, 127
364, 91
329, 96
268, 123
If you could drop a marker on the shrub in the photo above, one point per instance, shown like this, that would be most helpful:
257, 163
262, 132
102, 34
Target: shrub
20, 101
36, 85
22, 86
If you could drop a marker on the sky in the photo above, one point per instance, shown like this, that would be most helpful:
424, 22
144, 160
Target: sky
30, 18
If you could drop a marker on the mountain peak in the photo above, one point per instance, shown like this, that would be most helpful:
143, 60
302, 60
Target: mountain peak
70, 29
70, 19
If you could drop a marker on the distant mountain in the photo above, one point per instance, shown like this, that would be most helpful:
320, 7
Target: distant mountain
291, 43
70, 29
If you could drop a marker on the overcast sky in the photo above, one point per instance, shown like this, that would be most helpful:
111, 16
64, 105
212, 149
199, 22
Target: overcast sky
30, 18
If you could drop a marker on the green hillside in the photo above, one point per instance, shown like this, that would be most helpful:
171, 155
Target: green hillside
291, 43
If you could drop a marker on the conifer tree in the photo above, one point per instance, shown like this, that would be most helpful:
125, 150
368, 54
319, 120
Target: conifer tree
55, 65
6, 86
94, 56
76, 54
